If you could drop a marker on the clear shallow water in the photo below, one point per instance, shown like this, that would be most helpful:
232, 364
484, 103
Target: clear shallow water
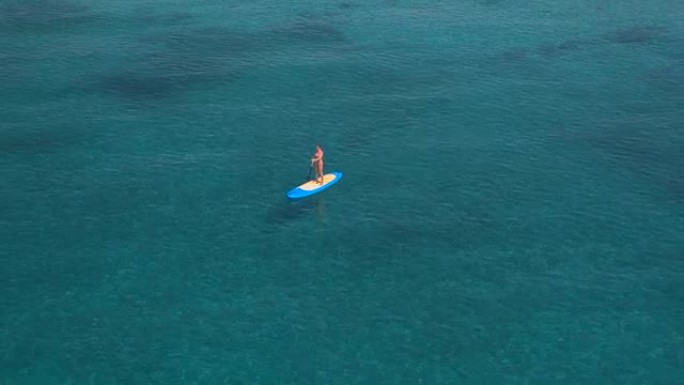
511, 210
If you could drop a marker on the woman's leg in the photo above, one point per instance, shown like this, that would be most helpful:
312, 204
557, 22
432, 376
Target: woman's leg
319, 172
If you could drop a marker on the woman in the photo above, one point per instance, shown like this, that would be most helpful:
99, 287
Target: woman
317, 163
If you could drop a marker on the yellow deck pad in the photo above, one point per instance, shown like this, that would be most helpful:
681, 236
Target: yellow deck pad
312, 185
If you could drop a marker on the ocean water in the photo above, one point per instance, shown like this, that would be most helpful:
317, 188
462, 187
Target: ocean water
512, 210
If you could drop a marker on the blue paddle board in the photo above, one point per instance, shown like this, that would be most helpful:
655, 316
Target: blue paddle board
312, 187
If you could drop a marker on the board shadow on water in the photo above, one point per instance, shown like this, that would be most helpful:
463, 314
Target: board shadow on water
285, 211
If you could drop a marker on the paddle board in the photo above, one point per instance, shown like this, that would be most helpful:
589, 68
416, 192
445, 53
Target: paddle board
312, 187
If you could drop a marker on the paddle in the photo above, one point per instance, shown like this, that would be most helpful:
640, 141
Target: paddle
308, 178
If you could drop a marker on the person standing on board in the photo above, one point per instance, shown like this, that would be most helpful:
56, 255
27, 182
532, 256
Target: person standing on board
317, 163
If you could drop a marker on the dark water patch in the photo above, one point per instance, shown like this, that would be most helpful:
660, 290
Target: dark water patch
49, 140
191, 56
142, 86
636, 35
546, 50
224, 41
392, 3
136, 86
172, 19
213, 41
190, 67
41, 14
515, 55
668, 78
550, 50
310, 30
180, 60
347, 5
649, 150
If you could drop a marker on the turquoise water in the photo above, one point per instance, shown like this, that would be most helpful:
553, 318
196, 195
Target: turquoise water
512, 210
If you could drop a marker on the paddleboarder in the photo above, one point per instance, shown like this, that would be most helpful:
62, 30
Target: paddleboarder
317, 163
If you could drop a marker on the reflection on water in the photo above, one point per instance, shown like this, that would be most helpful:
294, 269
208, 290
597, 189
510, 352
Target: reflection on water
286, 211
